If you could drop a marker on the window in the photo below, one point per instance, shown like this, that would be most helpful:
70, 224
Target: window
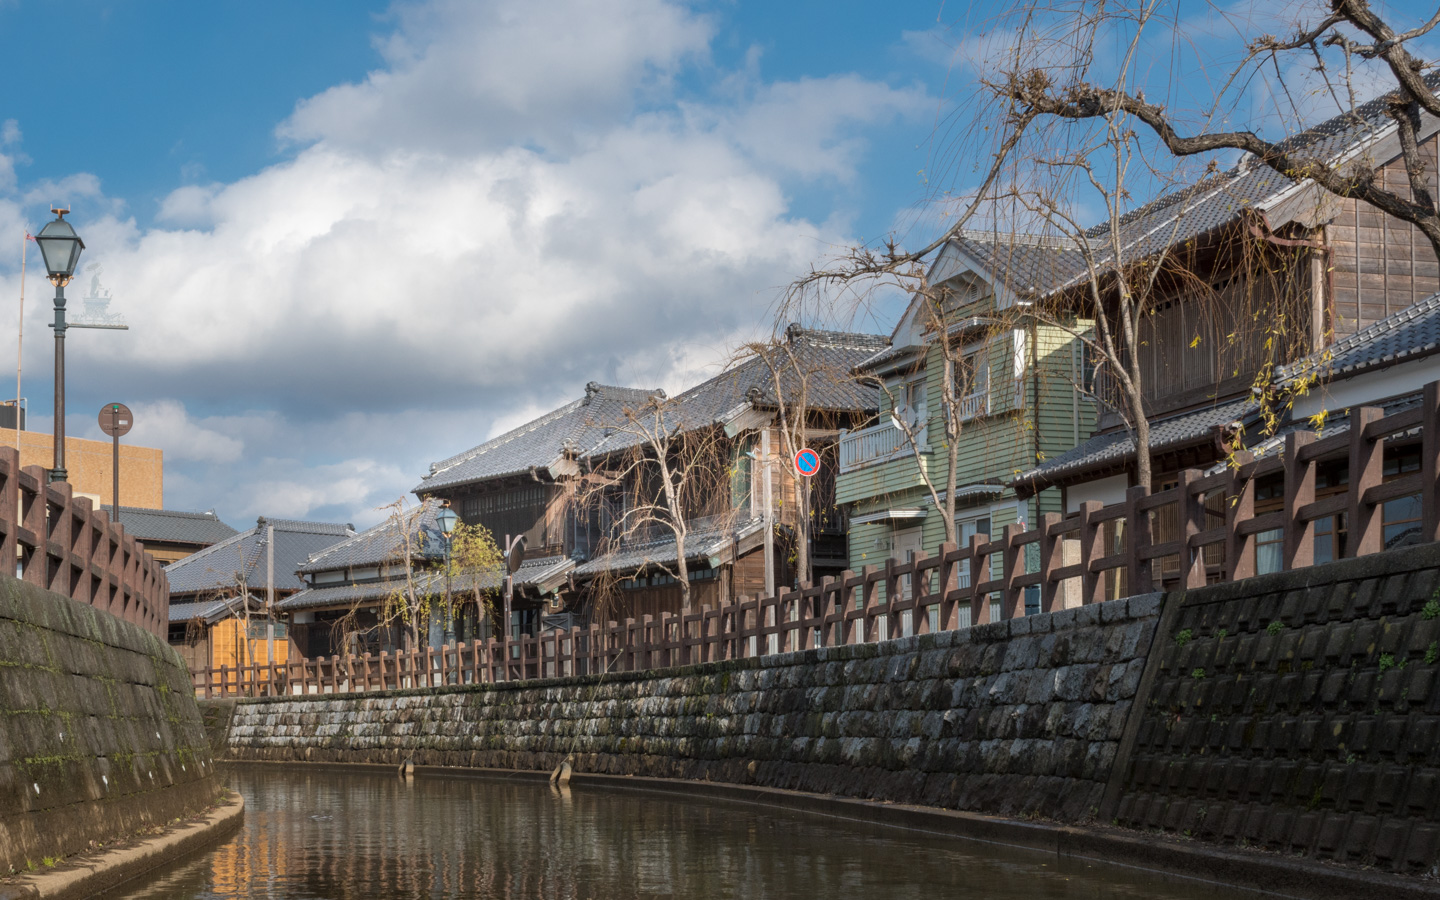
910, 405
972, 381
969, 528
741, 468
1401, 518
1269, 545
258, 631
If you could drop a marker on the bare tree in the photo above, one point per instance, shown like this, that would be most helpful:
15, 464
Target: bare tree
672, 472
1350, 31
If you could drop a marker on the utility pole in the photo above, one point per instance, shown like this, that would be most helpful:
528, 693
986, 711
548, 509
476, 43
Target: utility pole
769, 515
269, 595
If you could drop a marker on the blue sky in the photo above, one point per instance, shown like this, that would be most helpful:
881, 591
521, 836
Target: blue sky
618, 198
352, 238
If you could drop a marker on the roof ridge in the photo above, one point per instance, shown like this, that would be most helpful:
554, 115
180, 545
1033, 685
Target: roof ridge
501, 440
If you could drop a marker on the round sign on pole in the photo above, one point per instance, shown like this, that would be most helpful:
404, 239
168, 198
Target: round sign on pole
807, 462
115, 419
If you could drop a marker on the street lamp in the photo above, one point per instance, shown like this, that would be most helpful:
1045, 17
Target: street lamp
448, 521
61, 247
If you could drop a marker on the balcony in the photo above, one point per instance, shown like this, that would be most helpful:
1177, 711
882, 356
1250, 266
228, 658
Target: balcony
975, 405
875, 444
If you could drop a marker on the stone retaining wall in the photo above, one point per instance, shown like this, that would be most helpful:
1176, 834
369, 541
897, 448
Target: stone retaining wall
100, 736
1297, 712
1013, 718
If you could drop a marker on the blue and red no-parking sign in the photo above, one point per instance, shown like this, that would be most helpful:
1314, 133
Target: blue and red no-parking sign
807, 462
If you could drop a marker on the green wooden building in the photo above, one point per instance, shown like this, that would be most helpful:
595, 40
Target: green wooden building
1018, 396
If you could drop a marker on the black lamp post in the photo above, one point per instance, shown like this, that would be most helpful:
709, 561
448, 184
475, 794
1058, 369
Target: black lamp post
447, 520
61, 247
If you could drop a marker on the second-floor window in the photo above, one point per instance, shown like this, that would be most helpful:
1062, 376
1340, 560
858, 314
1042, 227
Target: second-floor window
910, 402
972, 381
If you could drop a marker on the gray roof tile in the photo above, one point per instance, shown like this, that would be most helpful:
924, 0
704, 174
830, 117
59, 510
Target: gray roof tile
174, 526
537, 571
594, 424
705, 538
218, 566
822, 364
579, 425
1116, 447
385, 542
1042, 264
1411, 333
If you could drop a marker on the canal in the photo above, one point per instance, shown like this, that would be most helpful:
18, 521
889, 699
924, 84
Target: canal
321, 832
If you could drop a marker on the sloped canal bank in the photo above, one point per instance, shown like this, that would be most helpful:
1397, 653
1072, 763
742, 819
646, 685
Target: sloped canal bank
330, 832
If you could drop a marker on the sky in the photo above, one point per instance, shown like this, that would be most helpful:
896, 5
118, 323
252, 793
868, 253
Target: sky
351, 237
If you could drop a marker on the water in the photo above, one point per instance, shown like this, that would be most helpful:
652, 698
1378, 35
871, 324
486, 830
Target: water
320, 832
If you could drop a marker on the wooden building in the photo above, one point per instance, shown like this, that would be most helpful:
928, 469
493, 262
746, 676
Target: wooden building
572, 480
218, 596
1265, 277
362, 594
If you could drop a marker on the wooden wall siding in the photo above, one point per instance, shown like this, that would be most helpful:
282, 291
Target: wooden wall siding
228, 645
1381, 265
866, 606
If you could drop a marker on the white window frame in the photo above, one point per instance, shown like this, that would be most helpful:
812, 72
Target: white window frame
976, 403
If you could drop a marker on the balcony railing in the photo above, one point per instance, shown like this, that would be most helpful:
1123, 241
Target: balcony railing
874, 444
975, 405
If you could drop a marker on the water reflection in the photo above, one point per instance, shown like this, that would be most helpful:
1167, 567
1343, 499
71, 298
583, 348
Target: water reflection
314, 832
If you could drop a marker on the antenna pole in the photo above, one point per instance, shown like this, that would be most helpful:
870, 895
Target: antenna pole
20, 345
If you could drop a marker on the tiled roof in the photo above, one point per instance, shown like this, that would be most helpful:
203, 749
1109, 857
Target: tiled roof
1025, 263
173, 526
184, 612
578, 425
703, 539
1182, 214
385, 542
1413, 332
219, 566
1115, 447
594, 424
541, 572
817, 362
1409, 334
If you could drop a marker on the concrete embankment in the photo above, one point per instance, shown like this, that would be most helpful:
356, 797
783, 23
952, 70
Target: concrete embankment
100, 737
1295, 712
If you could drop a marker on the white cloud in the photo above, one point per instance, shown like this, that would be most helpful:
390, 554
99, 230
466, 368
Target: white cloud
516, 204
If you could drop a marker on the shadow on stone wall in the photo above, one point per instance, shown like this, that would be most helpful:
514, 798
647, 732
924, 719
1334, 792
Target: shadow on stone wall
100, 735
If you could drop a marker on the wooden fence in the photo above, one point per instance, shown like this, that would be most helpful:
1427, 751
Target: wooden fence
61, 543
1205, 528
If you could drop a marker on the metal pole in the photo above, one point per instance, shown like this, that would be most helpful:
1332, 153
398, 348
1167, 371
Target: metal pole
269, 592
769, 514
58, 473
115, 488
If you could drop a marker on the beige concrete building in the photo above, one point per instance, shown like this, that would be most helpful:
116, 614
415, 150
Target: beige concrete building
88, 464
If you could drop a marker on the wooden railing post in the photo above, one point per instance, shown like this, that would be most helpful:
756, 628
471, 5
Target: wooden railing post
1430, 463
1363, 522
1052, 557
1191, 513
946, 617
1300, 491
1137, 538
979, 572
1014, 566
1239, 507
1092, 547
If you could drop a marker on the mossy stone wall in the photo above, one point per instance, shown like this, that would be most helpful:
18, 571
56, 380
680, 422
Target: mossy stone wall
100, 736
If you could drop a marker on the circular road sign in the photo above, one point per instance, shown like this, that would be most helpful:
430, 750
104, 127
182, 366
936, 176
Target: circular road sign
807, 462
115, 419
